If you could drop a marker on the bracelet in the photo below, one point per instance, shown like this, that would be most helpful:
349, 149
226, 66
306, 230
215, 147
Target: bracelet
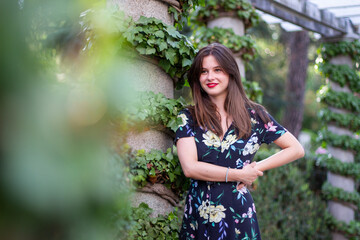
227, 171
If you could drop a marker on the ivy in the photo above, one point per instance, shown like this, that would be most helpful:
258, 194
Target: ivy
156, 109
338, 194
351, 230
182, 13
348, 120
146, 228
340, 141
339, 99
342, 74
352, 49
337, 166
150, 37
242, 45
241, 9
158, 167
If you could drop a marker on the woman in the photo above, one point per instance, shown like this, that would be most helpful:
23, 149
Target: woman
216, 143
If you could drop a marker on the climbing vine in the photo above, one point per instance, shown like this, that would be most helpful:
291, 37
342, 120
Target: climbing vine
145, 227
337, 166
340, 141
350, 101
158, 167
329, 50
347, 120
239, 8
341, 74
339, 99
156, 110
242, 45
150, 37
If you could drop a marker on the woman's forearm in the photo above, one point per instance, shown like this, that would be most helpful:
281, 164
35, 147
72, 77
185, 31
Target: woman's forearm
291, 150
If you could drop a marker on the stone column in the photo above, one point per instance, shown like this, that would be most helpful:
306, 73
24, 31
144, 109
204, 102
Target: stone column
237, 25
150, 77
340, 210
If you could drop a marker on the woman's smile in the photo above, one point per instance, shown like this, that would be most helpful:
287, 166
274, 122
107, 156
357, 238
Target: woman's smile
211, 85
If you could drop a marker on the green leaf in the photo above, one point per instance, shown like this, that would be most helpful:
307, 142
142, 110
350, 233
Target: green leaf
150, 50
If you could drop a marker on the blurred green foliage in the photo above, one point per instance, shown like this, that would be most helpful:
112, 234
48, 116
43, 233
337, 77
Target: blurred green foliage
286, 206
59, 178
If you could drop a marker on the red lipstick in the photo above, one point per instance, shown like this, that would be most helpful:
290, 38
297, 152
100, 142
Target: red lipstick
211, 85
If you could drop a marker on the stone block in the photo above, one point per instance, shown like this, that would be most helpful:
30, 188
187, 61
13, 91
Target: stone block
228, 22
340, 181
157, 203
149, 76
338, 236
336, 87
148, 140
343, 155
341, 212
341, 60
339, 130
147, 8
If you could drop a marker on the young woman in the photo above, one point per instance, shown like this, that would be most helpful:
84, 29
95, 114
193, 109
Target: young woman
216, 143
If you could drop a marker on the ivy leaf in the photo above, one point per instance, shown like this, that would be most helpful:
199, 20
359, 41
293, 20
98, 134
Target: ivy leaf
170, 55
159, 34
186, 62
165, 64
150, 50
162, 46
141, 49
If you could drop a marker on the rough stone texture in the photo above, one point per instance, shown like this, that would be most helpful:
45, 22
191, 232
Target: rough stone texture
150, 77
341, 59
338, 236
341, 212
340, 181
338, 110
228, 22
340, 131
147, 8
343, 155
336, 87
148, 140
158, 204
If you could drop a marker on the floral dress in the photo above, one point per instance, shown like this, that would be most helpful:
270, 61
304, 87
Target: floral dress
217, 210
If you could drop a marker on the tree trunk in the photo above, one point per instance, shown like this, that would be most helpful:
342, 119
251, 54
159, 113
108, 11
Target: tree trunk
295, 84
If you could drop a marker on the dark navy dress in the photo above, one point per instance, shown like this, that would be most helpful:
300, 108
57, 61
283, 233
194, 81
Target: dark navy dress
217, 210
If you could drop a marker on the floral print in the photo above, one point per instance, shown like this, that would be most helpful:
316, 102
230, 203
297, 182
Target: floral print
218, 210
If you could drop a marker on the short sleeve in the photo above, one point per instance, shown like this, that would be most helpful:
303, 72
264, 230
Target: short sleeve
271, 130
186, 127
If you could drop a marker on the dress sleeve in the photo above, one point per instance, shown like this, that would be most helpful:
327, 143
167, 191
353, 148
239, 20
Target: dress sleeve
271, 130
186, 127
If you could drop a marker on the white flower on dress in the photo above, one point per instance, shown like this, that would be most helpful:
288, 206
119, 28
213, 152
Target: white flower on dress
254, 121
229, 140
204, 209
217, 213
237, 231
250, 148
183, 119
211, 139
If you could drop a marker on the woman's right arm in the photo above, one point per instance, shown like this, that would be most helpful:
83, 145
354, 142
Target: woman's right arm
195, 169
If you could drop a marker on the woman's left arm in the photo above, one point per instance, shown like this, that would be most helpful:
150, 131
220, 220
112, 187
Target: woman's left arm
291, 150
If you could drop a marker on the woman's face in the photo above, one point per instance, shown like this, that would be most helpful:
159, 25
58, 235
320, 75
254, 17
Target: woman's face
213, 79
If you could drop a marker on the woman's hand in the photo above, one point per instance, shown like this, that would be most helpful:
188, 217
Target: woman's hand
250, 174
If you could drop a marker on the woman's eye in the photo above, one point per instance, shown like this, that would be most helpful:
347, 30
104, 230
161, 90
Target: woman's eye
218, 70
203, 71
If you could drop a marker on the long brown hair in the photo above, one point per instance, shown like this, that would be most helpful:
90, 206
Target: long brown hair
237, 103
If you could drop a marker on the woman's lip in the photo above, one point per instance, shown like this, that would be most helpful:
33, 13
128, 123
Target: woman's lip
211, 85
